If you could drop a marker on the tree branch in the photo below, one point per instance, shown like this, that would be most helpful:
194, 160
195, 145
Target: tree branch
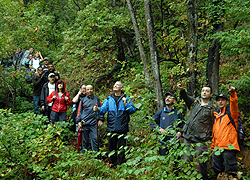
77, 5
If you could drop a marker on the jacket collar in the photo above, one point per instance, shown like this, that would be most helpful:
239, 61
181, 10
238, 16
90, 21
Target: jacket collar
166, 110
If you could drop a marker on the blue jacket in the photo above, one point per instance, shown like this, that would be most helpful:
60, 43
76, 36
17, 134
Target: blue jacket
166, 118
85, 111
118, 114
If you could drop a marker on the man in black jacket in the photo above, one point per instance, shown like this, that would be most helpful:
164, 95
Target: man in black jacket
47, 89
38, 81
198, 128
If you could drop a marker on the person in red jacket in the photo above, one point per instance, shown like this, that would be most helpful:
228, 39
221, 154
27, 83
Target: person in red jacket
225, 136
61, 100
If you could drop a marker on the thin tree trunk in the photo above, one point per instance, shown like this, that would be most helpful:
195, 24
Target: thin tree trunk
139, 42
213, 61
192, 45
154, 55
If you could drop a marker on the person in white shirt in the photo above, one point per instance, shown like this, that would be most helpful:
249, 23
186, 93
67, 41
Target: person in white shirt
47, 89
35, 62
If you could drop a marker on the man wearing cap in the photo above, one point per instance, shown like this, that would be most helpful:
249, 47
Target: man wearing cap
47, 89
198, 128
166, 118
46, 63
225, 134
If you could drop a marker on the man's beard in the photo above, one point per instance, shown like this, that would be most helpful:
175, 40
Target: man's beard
169, 105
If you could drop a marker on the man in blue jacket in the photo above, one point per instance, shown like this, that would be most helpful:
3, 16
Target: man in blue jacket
166, 118
119, 107
86, 119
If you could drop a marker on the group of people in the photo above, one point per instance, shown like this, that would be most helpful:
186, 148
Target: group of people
206, 121
90, 114
25, 59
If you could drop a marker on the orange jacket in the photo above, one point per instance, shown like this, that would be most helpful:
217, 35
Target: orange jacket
224, 133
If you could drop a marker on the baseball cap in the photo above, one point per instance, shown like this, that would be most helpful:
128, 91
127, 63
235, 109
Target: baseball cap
51, 74
46, 58
171, 94
221, 96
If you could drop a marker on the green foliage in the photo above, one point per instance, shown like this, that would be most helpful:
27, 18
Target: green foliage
80, 37
23, 105
235, 38
29, 149
14, 89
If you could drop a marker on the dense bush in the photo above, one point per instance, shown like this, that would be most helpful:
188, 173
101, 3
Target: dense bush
29, 149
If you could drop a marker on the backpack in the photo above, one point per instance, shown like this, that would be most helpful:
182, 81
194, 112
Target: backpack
240, 130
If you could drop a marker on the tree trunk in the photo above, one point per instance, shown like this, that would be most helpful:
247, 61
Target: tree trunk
192, 45
139, 42
213, 61
154, 55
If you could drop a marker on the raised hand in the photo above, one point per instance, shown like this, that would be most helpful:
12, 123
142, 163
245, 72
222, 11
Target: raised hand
231, 89
180, 86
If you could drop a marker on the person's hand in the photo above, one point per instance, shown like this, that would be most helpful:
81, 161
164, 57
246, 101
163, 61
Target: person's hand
100, 123
43, 108
66, 98
178, 135
80, 125
54, 97
162, 131
95, 108
124, 101
231, 89
180, 86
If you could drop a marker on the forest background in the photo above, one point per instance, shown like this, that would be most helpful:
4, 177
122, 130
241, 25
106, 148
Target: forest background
149, 45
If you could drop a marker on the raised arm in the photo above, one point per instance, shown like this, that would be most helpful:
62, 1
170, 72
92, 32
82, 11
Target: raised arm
233, 103
76, 98
188, 100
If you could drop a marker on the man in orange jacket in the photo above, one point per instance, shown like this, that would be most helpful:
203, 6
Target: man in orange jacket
225, 135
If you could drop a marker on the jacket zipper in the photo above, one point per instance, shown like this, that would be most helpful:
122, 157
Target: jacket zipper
59, 102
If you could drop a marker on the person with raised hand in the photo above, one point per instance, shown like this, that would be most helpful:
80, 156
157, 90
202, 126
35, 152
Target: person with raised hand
225, 134
199, 124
